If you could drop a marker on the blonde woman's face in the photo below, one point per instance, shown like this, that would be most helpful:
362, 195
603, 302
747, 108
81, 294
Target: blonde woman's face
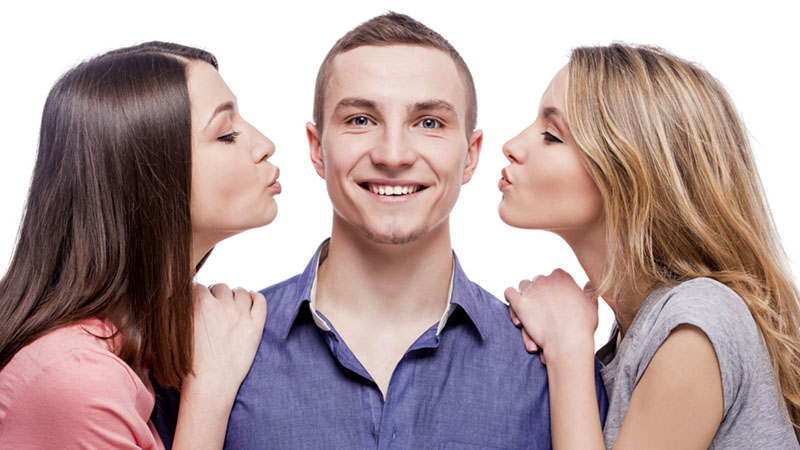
546, 186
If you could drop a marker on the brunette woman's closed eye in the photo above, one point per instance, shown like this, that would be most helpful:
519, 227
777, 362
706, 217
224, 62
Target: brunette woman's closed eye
229, 138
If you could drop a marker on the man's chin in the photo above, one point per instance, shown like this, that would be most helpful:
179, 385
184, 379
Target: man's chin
395, 237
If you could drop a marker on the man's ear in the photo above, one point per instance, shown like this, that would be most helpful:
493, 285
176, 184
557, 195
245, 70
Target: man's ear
473, 153
315, 148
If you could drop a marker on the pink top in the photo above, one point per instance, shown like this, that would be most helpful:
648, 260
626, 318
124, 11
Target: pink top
68, 390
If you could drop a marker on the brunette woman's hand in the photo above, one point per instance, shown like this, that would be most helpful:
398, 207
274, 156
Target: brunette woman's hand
555, 314
227, 331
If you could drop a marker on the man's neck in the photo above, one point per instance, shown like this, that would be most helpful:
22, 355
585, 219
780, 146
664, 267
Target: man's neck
382, 297
392, 282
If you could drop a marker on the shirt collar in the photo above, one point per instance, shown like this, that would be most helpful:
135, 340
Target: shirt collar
463, 293
305, 283
469, 297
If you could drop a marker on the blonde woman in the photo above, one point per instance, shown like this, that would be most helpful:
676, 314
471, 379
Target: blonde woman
639, 161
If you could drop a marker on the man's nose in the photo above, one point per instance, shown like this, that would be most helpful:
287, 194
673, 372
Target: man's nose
394, 150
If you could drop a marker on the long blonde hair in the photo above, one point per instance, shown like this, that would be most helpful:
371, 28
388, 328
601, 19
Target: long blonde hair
682, 196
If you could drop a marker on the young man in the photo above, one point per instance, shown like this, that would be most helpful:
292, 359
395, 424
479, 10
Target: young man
383, 342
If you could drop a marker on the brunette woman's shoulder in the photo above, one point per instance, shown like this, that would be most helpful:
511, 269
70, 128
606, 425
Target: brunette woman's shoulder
68, 389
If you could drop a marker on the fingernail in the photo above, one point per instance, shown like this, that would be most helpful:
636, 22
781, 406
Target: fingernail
517, 322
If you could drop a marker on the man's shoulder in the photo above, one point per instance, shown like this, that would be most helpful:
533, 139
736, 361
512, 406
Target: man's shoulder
282, 287
494, 316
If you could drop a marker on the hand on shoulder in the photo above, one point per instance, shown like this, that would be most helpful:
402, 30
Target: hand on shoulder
228, 325
554, 312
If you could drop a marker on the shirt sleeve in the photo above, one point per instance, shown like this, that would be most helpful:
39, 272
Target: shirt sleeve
84, 400
723, 317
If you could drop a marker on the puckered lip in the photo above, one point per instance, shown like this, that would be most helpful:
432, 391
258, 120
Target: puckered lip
380, 187
275, 178
503, 183
274, 185
504, 174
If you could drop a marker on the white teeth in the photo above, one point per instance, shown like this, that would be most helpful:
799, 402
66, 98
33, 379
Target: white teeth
392, 190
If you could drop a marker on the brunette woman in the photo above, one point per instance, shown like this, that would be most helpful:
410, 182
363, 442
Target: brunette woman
144, 164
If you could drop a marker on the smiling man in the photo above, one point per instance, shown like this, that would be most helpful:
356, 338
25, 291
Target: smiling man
383, 341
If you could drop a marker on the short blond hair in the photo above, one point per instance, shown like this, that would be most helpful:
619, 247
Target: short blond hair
388, 29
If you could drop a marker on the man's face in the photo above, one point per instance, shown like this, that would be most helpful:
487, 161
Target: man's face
394, 150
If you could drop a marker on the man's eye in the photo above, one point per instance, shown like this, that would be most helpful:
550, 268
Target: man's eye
430, 123
360, 121
551, 138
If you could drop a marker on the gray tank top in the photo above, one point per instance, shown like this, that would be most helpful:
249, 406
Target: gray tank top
752, 416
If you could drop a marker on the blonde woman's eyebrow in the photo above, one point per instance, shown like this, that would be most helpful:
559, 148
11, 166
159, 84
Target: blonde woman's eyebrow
551, 111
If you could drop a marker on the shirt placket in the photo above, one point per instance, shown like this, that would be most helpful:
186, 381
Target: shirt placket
399, 408
373, 407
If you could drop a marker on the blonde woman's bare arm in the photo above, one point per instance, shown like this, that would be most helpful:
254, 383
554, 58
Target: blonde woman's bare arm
678, 402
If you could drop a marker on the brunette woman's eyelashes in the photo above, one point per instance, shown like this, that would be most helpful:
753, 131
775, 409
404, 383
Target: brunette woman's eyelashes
229, 138
551, 138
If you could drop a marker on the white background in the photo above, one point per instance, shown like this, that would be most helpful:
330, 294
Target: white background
269, 53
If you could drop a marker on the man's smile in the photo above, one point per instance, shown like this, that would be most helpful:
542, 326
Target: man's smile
392, 188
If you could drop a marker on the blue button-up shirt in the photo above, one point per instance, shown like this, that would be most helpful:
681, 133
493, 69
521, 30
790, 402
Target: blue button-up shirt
469, 384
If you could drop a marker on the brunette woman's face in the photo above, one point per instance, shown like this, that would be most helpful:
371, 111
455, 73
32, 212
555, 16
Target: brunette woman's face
546, 186
233, 184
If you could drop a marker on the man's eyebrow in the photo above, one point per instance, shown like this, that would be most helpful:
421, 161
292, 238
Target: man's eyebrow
227, 106
431, 105
355, 102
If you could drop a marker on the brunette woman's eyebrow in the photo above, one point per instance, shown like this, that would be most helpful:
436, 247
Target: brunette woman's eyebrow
227, 106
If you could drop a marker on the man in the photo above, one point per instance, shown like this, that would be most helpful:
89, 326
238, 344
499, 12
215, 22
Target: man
383, 342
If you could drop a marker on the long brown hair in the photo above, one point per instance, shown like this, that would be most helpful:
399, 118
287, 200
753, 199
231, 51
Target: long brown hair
107, 229
683, 199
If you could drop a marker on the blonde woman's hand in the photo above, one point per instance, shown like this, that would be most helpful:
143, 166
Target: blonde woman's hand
555, 314
227, 331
